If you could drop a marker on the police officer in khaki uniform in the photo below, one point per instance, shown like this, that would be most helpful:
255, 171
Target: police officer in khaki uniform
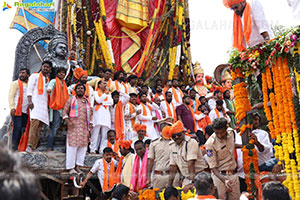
186, 156
220, 157
159, 153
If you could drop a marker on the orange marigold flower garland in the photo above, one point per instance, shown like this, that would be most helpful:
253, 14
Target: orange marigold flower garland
242, 103
250, 165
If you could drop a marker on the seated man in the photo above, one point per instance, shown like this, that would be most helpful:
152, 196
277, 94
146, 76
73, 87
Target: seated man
105, 169
264, 147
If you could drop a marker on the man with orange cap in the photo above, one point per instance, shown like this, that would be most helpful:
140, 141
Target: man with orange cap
82, 76
141, 131
250, 26
185, 156
124, 169
159, 153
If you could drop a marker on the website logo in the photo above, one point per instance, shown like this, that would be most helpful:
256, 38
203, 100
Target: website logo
6, 6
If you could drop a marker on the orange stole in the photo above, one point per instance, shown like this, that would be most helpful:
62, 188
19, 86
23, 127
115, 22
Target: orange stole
126, 89
99, 105
116, 146
192, 111
204, 122
217, 112
59, 95
20, 99
239, 32
131, 110
145, 111
170, 112
87, 90
175, 94
119, 170
108, 179
41, 84
119, 122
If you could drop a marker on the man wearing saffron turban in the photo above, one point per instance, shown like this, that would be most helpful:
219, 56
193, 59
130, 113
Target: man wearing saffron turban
250, 26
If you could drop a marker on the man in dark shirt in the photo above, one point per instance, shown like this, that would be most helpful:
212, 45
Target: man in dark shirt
185, 115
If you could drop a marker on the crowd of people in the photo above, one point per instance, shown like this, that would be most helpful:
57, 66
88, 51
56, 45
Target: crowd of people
147, 137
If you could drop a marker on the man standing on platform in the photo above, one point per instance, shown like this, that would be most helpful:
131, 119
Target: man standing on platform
101, 117
17, 99
78, 115
186, 156
130, 114
185, 115
176, 92
38, 103
250, 26
168, 107
220, 157
146, 117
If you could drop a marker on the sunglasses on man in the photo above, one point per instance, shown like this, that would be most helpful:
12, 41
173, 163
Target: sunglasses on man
176, 135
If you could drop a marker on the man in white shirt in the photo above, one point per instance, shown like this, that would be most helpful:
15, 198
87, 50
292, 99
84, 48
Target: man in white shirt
249, 22
263, 145
212, 101
100, 166
176, 92
219, 111
168, 106
38, 104
146, 117
101, 116
18, 106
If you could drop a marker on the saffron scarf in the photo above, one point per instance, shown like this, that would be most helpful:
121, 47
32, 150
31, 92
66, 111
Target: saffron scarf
217, 112
139, 177
41, 84
99, 105
174, 92
131, 110
145, 110
192, 112
74, 109
204, 122
239, 32
119, 123
87, 90
116, 146
59, 95
169, 110
126, 89
108, 179
20, 99
119, 170
24, 139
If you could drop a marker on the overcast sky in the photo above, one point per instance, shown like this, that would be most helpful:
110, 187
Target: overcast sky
211, 33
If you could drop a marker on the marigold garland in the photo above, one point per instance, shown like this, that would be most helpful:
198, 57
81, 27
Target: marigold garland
242, 102
250, 165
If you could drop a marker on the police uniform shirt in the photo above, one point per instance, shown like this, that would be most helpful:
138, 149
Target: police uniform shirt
220, 153
186, 151
159, 150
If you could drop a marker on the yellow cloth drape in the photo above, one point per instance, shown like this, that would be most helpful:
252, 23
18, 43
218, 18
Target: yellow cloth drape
133, 14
